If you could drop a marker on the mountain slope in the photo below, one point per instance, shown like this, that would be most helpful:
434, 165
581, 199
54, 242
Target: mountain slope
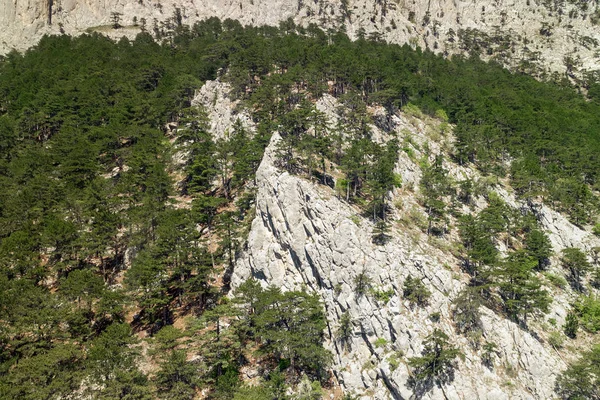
304, 236
539, 37
401, 227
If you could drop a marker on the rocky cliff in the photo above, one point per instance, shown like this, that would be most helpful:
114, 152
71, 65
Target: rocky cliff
534, 36
304, 236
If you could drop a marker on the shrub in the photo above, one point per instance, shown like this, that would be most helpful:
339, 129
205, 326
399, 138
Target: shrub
383, 296
395, 359
588, 309
556, 280
489, 350
415, 291
556, 340
362, 284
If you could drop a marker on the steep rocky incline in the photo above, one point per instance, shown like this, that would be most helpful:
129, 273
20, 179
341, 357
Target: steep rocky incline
530, 35
213, 96
304, 236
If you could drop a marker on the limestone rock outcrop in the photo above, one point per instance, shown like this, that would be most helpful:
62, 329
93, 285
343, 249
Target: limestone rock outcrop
222, 112
303, 236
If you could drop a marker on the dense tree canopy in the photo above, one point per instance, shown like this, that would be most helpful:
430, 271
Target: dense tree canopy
93, 249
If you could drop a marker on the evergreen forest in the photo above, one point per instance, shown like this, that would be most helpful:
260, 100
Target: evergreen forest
101, 268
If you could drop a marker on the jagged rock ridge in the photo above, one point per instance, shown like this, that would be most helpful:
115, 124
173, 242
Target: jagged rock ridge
303, 236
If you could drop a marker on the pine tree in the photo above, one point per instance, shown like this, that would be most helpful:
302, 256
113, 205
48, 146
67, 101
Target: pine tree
436, 363
466, 314
539, 247
434, 187
344, 332
571, 325
576, 263
112, 360
381, 178
520, 290
177, 378
415, 291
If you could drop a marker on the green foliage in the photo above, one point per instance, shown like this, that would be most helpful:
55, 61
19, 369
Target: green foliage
383, 296
51, 372
556, 280
177, 377
381, 232
435, 185
415, 291
576, 263
539, 247
307, 390
111, 351
85, 185
466, 315
252, 393
479, 246
489, 350
291, 326
595, 278
84, 178
466, 191
511, 283
112, 361
436, 364
345, 331
571, 325
362, 284
395, 359
197, 140
581, 380
82, 285
381, 178
520, 289
496, 217
588, 311
288, 326
380, 342
556, 339
226, 382
167, 338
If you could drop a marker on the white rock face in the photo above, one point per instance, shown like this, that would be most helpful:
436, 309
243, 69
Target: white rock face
521, 33
221, 110
303, 236
563, 233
